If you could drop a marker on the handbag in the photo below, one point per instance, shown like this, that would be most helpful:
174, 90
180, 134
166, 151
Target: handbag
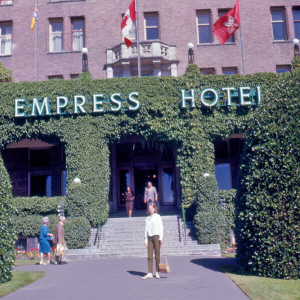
164, 268
59, 249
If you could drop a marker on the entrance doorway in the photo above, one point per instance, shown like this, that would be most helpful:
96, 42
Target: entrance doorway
141, 176
134, 163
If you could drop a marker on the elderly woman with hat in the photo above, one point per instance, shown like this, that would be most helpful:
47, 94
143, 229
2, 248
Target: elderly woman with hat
45, 241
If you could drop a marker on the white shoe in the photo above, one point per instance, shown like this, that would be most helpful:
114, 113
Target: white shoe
157, 275
148, 276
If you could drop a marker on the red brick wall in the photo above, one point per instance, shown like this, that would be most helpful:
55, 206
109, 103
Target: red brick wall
177, 26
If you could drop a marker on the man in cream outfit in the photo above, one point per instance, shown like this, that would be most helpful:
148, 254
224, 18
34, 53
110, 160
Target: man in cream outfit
150, 194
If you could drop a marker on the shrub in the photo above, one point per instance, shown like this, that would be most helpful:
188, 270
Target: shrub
30, 225
77, 232
37, 205
209, 219
226, 199
268, 202
7, 232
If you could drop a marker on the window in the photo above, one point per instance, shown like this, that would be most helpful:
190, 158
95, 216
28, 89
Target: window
223, 12
151, 26
6, 38
204, 27
56, 35
283, 68
6, 2
296, 14
208, 71
50, 77
74, 76
279, 24
227, 161
230, 71
77, 34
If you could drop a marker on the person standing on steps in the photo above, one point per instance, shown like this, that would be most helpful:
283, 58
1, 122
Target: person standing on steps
129, 198
154, 233
150, 195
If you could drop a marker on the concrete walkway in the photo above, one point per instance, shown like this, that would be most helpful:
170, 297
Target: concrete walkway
115, 279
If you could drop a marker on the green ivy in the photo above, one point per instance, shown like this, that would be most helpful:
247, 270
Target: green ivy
37, 205
268, 202
87, 138
226, 200
77, 232
7, 232
5, 74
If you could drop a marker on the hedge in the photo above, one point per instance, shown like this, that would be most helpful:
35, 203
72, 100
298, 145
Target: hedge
7, 233
268, 202
30, 212
209, 220
37, 205
77, 232
226, 199
87, 137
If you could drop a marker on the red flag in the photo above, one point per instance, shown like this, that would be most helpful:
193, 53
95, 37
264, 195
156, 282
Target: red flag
228, 24
128, 22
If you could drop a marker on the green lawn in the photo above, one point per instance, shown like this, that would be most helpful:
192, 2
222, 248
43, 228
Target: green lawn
229, 255
19, 280
26, 262
262, 288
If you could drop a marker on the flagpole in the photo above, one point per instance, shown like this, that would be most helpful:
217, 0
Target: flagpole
242, 51
138, 38
36, 47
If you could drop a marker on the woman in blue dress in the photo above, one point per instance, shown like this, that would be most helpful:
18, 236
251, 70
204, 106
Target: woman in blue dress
45, 241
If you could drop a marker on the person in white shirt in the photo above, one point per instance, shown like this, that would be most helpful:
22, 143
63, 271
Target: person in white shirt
154, 232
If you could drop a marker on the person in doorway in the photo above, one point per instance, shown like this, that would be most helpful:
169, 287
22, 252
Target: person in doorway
154, 232
150, 195
60, 239
45, 241
129, 198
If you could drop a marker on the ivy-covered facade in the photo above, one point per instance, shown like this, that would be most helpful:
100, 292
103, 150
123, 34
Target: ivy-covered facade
89, 138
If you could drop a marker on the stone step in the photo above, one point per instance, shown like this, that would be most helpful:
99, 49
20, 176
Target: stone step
124, 237
174, 252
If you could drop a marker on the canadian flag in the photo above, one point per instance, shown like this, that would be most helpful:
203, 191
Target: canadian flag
127, 23
228, 24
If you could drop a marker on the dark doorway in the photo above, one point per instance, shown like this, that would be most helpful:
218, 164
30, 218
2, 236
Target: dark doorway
134, 163
141, 176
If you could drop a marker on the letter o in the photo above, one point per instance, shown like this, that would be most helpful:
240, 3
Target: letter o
214, 102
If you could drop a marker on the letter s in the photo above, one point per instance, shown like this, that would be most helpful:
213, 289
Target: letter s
132, 100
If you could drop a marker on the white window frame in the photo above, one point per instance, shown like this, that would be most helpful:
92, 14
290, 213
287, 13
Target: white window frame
282, 9
51, 21
209, 13
78, 19
296, 21
152, 14
6, 2
7, 38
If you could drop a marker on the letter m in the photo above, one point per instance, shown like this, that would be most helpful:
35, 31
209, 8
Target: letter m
40, 109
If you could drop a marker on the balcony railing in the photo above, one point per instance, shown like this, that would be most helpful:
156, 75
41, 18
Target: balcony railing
155, 49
